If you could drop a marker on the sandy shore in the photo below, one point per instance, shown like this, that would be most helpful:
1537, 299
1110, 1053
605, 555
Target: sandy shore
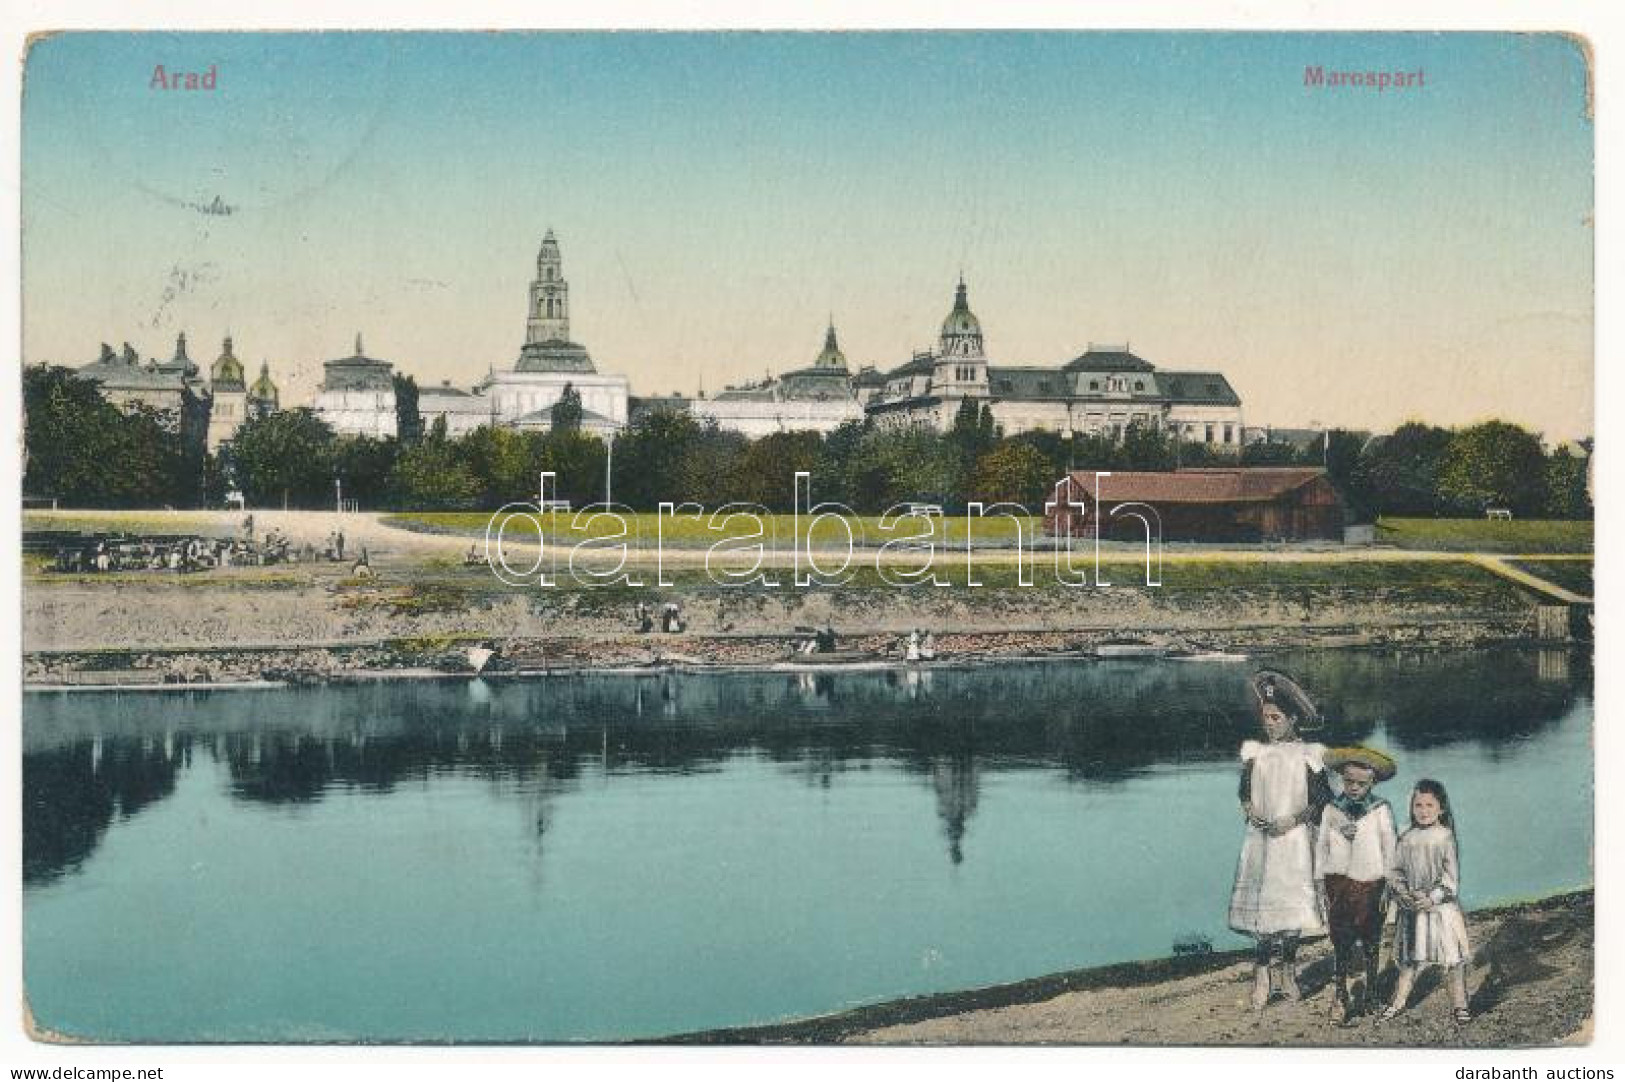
1530, 983
422, 607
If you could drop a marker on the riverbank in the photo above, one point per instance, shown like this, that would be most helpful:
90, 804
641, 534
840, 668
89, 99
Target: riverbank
422, 607
1530, 984
317, 623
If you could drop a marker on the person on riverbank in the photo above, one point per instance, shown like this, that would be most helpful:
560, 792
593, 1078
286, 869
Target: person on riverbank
1425, 882
1354, 849
1283, 789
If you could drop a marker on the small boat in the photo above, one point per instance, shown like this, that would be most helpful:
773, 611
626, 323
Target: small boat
1209, 655
832, 657
1118, 648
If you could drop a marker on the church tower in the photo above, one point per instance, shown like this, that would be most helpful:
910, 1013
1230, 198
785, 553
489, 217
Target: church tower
549, 297
961, 362
831, 358
229, 397
263, 397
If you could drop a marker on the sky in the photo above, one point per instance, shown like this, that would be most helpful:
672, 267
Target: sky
1345, 257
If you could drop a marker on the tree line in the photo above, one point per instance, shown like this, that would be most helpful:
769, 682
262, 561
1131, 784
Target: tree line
86, 452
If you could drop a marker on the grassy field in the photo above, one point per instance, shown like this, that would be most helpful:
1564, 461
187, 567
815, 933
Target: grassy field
688, 531
200, 523
1481, 535
444, 585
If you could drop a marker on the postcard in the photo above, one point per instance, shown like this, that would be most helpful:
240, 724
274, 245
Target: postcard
908, 537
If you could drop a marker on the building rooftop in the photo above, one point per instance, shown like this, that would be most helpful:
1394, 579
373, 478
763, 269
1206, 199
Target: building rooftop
1208, 486
1108, 359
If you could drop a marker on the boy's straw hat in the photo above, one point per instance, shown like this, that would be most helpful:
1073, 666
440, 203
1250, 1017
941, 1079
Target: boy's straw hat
1382, 765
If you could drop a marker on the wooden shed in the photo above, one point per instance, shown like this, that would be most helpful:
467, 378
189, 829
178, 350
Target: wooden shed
1232, 504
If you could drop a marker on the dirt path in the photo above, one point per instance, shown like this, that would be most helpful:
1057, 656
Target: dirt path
1530, 984
1502, 566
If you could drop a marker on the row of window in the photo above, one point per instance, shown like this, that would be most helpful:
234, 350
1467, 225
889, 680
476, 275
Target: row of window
1205, 433
1117, 385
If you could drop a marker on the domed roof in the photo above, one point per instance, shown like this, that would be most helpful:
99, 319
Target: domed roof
554, 355
226, 374
961, 321
263, 388
549, 251
831, 357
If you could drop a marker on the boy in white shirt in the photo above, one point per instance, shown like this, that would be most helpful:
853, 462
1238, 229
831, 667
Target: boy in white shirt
1353, 851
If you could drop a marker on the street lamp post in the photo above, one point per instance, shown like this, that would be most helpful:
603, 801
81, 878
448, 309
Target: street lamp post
609, 464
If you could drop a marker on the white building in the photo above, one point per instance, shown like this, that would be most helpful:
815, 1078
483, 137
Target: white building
549, 361
820, 398
357, 395
1102, 392
463, 411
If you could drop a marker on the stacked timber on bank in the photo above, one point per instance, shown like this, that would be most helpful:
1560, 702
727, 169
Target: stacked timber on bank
1232, 504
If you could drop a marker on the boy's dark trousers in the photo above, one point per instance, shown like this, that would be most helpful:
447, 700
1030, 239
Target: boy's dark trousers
1354, 919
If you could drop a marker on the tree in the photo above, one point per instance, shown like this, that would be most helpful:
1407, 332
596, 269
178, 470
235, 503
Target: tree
408, 420
1494, 464
285, 458
577, 462
768, 466
893, 466
1399, 473
1566, 485
649, 457
502, 463
1012, 473
1274, 454
363, 463
1144, 448
973, 433
566, 413
429, 475
1342, 459
85, 451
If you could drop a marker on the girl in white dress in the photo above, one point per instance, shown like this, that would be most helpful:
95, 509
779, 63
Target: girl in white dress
1283, 789
1424, 882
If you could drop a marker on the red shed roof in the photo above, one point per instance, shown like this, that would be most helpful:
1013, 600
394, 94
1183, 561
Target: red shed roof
1238, 485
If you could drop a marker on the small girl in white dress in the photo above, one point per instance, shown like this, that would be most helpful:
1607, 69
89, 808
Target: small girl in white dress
1425, 881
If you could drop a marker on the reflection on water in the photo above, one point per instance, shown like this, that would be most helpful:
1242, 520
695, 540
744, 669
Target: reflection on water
654, 807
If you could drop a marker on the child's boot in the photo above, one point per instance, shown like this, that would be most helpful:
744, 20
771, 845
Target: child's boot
1289, 967
1289, 981
1261, 987
1368, 993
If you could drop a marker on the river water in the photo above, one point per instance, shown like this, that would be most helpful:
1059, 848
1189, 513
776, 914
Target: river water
610, 857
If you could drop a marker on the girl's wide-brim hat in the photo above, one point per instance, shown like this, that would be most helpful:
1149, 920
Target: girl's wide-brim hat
1281, 690
1382, 765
